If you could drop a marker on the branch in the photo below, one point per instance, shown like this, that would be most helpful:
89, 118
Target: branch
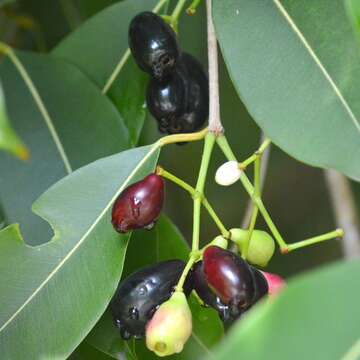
345, 212
263, 169
215, 125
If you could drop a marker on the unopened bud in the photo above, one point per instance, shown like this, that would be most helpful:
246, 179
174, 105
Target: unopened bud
228, 173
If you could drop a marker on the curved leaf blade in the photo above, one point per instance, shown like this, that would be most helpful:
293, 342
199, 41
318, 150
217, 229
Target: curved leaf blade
87, 124
296, 67
67, 283
316, 317
164, 242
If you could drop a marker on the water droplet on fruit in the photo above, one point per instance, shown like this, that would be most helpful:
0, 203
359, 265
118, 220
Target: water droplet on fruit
134, 313
142, 291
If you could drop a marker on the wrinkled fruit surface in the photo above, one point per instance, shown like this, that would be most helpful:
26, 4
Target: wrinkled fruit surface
180, 103
153, 44
139, 205
231, 278
139, 295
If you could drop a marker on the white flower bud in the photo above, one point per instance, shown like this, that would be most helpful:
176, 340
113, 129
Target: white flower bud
228, 173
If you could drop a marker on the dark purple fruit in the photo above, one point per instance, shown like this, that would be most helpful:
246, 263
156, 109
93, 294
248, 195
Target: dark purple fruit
139, 205
260, 284
180, 102
139, 295
230, 277
153, 44
208, 296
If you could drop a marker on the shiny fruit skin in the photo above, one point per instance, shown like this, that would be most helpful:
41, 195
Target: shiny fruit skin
138, 296
180, 103
208, 296
139, 205
260, 285
230, 277
153, 44
165, 101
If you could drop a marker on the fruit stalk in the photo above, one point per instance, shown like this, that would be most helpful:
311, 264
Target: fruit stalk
257, 193
215, 125
191, 10
284, 247
176, 13
162, 172
208, 147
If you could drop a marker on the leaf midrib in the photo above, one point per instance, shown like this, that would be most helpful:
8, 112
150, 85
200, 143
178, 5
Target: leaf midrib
312, 53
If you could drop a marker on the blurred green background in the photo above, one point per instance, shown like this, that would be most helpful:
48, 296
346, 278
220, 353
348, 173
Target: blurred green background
295, 194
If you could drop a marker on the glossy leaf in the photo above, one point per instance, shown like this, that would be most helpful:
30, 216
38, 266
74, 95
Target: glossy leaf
164, 242
9, 141
86, 352
109, 31
87, 125
67, 283
316, 317
296, 67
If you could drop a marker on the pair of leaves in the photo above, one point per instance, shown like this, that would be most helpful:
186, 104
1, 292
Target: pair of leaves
296, 66
316, 317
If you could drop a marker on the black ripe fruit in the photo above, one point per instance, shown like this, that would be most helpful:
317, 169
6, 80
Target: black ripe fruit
139, 205
138, 296
153, 44
180, 102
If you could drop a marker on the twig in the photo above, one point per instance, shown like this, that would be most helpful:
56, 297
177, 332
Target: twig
345, 212
215, 125
263, 169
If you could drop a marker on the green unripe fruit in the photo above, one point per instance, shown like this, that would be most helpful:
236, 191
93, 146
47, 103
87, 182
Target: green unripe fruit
261, 246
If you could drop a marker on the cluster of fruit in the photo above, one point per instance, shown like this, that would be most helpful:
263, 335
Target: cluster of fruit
149, 302
177, 94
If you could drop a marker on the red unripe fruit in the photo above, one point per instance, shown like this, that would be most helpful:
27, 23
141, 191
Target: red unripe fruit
139, 205
229, 277
275, 283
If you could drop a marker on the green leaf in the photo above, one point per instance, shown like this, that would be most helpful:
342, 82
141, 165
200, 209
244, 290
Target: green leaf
164, 242
295, 65
86, 352
56, 292
9, 141
316, 317
353, 10
86, 125
109, 31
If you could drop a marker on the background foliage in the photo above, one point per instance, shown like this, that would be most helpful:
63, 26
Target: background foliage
77, 58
